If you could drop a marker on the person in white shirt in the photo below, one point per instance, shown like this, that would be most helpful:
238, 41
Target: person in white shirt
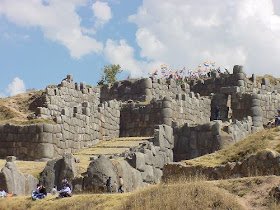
65, 191
54, 190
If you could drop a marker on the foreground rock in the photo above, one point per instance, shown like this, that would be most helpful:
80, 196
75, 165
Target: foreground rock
58, 169
98, 172
12, 180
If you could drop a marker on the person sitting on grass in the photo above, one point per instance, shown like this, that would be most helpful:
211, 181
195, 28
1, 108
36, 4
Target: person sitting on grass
65, 191
54, 190
3, 194
39, 193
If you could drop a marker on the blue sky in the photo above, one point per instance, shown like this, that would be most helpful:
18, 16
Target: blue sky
41, 41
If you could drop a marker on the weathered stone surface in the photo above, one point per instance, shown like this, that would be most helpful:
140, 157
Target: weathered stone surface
132, 178
58, 169
12, 180
137, 160
148, 174
98, 172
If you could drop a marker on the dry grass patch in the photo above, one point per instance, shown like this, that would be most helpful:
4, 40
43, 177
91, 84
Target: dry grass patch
27, 167
76, 202
195, 195
15, 109
266, 139
271, 78
253, 191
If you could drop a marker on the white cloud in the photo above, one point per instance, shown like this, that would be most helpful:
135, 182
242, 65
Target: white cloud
2, 95
102, 12
123, 54
58, 21
181, 32
15, 87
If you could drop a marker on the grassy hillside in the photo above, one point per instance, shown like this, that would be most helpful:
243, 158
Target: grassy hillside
16, 109
242, 193
271, 78
27, 167
267, 139
196, 195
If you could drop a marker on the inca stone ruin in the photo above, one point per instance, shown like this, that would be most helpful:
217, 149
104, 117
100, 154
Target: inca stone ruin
179, 119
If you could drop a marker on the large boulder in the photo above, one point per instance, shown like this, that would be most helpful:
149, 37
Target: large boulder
98, 172
131, 177
58, 169
12, 180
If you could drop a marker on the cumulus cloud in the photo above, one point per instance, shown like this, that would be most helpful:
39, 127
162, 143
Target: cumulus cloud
15, 87
119, 52
102, 13
184, 32
58, 21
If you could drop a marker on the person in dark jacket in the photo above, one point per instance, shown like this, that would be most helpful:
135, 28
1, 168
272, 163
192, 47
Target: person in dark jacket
277, 119
39, 193
218, 112
109, 185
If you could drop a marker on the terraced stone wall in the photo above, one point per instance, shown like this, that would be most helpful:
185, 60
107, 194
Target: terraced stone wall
80, 121
68, 134
262, 164
139, 120
193, 141
143, 90
138, 167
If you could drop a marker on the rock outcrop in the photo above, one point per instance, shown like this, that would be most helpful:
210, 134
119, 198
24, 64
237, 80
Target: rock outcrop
58, 169
12, 180
98, 172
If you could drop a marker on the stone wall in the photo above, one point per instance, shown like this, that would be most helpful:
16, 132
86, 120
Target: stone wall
138, 167
69, 134
269, 104
143, 90
140, 119
67, 96
192, 141
262, 164
213, 85
79, 119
